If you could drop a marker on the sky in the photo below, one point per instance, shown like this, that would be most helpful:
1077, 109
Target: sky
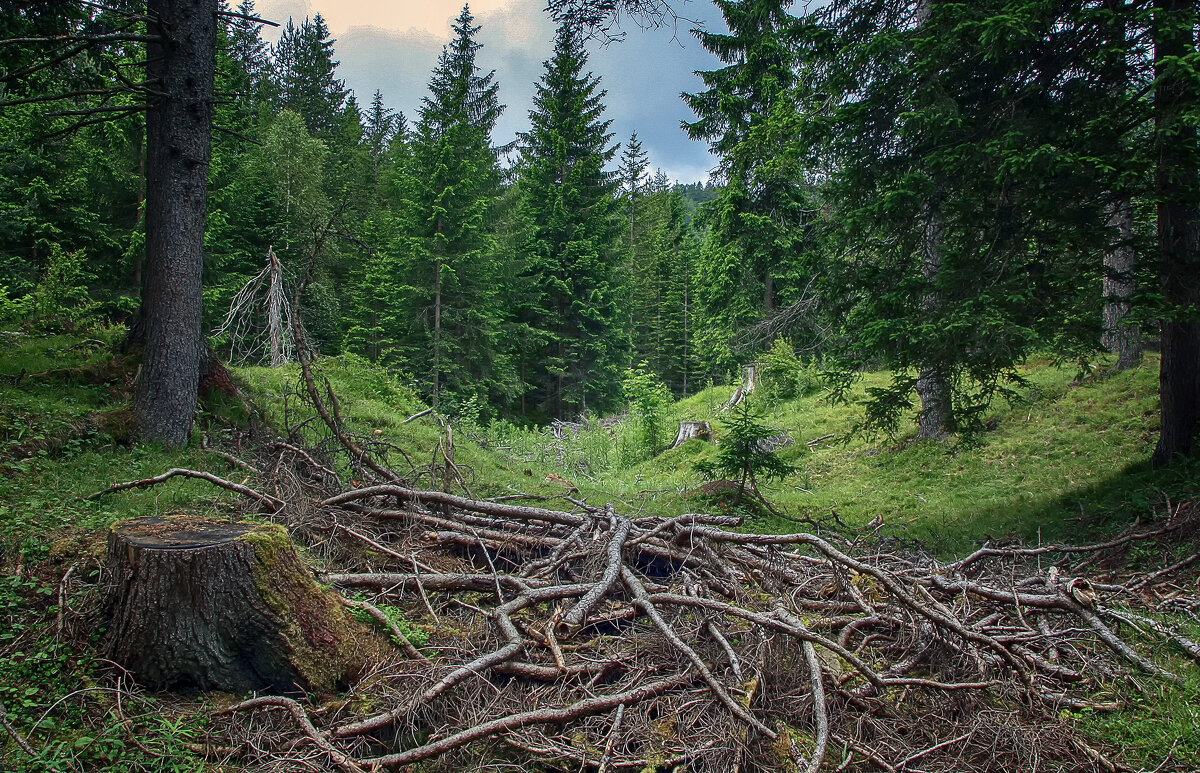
393, 45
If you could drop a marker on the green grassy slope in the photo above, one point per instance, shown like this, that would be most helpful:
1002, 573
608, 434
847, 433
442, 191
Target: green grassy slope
1069, 461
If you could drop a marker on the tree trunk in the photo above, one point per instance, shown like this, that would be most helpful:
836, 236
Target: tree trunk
1178, 152
178, 152
693, 429
1120, 262
1121, 338
936, 420
205, 604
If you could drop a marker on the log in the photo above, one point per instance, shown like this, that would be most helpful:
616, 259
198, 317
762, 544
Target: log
202, 604
693, 429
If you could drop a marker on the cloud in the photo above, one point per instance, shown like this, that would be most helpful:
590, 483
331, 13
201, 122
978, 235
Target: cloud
394, 46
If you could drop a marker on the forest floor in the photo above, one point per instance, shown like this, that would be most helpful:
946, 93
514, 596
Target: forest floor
1067, 462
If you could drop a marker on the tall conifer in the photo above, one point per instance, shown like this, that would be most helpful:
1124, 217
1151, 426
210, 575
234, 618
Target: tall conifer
453, 181
748, 114
570, 245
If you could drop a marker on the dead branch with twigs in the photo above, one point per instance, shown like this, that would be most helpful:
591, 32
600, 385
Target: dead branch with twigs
259, 320
586, 639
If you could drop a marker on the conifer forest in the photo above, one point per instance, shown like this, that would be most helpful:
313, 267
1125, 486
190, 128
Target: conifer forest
336, 437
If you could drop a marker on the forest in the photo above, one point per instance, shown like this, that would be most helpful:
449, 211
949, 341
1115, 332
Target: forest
339, 438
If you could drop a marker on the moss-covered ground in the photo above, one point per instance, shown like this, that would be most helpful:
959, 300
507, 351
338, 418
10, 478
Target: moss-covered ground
1066, 462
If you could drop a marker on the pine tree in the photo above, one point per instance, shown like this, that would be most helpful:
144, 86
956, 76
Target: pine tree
960, 185
248, 80
759, 222
452, 184
381, 126
304, 75
575, 349
631, 174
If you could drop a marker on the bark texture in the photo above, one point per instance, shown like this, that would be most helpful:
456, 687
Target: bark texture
204, 604
1176, 97
178, 152
1121, 338
693, 429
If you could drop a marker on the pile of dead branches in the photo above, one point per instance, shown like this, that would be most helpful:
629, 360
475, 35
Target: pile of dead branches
584, 639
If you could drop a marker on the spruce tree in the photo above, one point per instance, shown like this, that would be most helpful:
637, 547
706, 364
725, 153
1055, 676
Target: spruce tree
381, 124
575, 349
759, 224
967, 186
304, 75
452, 183
247, 81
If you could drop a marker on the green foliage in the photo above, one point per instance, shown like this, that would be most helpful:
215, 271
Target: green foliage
418, 637
445, 187
760, 227
784, 375
568, 283
742, 454
648, 399
61, 301
303, 71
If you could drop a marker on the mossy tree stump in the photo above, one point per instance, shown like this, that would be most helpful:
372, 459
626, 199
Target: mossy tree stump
205, 604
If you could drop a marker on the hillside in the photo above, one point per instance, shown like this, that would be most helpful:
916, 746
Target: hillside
1066, 464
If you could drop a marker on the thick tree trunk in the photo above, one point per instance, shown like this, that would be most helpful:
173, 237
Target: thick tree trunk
1175, 99
178, 151
1120, 337
936, 419
204, 604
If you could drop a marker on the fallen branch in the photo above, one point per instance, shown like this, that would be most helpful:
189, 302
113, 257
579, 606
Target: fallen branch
178, 472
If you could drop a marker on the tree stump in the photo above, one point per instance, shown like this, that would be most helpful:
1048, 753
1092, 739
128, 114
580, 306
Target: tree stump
748, 385
693, 429
204, 604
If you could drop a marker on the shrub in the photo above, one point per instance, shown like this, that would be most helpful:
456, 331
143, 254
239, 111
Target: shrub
649, 400
785, 376
743, 454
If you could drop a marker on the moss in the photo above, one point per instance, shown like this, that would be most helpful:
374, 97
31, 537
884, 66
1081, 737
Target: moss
326, 645
781, 749
120, 424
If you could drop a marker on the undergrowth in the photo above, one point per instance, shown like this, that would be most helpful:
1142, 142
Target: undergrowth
1066, 463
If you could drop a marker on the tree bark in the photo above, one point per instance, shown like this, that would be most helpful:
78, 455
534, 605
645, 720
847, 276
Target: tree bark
205, 604
1175, 101
178, 152
936, 419
1120, 262
746, 387
693, 429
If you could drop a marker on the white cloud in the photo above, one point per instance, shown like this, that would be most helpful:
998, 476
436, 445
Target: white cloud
393, 46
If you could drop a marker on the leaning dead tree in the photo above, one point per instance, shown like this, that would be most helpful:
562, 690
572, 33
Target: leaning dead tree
584, 638
259, 320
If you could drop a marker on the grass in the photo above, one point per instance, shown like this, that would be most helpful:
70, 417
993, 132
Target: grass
1066, 463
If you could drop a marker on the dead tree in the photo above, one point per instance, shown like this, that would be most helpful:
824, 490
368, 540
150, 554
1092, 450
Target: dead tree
259, 320
748, 385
